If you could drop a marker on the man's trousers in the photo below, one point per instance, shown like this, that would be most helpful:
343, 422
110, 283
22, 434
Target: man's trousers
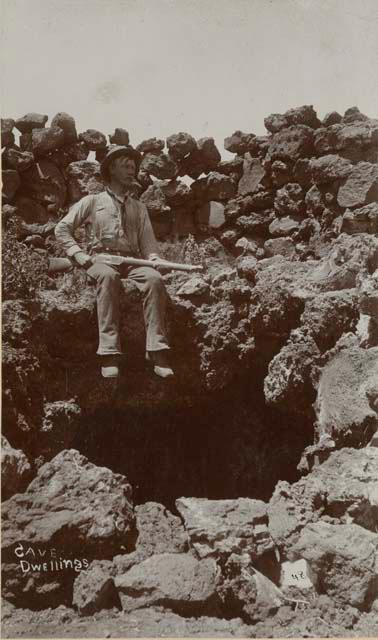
108, 287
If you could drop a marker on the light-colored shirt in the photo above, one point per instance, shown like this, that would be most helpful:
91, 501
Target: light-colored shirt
111, 223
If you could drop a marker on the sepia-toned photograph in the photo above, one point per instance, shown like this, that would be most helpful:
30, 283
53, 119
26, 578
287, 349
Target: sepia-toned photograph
189, 444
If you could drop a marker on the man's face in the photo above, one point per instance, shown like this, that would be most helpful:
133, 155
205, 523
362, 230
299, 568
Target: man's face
122, 170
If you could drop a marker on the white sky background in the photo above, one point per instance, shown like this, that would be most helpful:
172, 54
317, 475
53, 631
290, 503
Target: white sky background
208, 67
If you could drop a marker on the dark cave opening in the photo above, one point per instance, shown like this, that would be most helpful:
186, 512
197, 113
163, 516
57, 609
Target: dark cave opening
229, 444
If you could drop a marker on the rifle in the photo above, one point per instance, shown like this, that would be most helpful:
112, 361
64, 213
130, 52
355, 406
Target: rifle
112, 260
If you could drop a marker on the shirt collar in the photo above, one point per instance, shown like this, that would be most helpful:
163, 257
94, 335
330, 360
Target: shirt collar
114, 195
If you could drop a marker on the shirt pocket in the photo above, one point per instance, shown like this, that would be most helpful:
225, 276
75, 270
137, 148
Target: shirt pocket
106, 225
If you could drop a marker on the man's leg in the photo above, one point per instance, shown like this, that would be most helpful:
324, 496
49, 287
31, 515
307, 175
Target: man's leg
150, 283
108, 284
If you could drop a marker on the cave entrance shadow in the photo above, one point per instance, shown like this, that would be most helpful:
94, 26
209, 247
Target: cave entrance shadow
228, 445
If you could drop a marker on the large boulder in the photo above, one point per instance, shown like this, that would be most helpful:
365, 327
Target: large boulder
350, 373
17, 160
176, 581
31, 121
15, 470
73, 505
95, 140
363, 220
299, 115
343, 489
360, 187
253, 173
43, 141
152, 145
45, 184
355, 141
238, 142
290, 200
120, 137
67, 123
84, 179
343, 561
180, 145
159, 165
329, 168
94, 590
159, 531
291, 144
218, 528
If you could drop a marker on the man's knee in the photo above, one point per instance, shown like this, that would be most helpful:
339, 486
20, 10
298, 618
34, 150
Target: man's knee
154, 279
103, 274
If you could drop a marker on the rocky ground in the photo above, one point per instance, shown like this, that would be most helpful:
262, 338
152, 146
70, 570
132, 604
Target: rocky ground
242, 498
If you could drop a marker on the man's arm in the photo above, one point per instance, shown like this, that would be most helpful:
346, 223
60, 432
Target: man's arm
65, 228
147, 241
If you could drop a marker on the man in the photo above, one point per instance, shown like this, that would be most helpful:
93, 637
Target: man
116, 223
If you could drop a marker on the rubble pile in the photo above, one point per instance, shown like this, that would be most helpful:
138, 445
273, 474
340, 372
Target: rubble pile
275, 398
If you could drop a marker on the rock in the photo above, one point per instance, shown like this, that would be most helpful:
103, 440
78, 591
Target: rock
331, 118
219, 187
364, 220
209, 152
155, 200
290, 200
69, 153
281, 173
360, 187
25, 142
159, 530
289, 379
302, 172
253, 173
93, 139
7, 212
45, 183
315, 201
218, 528
159, 165
279, 246
283, 226
211, 215
152, 145
180, 145
342, 559
327, 316
31, 211
291, 144
246, 268
238, 143
329, 168
353, 114
230, 167
229, 238
43, 141
7, 136
121, 137
71, 505
255, 223
94, 590
248, 591
84, 179
275, 122
174, 580
59, 425
195, 286
67, 123
246, 246
31, 121
353, 140
342, 488
11, 183
351, 373
304, 115
17, 160
15, 470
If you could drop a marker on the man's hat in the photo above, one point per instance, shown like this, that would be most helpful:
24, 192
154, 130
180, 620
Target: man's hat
116, 151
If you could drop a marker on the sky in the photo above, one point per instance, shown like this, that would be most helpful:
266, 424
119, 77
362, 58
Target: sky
207, 67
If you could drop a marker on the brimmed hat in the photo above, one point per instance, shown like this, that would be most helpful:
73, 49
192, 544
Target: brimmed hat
116, 151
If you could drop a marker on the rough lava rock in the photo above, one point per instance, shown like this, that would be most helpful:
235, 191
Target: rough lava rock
67, 123
84, 179
361, 186
93, 139
15, 470
31, 121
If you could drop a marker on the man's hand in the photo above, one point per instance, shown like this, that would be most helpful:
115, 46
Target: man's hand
83, 259
154, 257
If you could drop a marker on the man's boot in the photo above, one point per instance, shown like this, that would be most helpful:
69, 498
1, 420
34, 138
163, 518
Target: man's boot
160, 362
109, 366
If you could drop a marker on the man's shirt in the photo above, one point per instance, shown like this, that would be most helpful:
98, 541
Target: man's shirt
110, 224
